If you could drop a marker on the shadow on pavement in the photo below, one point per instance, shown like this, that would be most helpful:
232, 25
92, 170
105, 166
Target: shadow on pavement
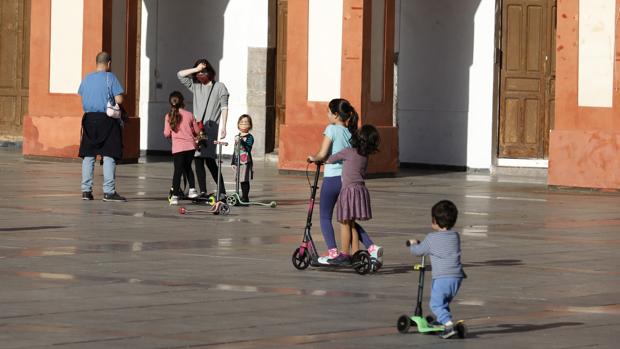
519, 328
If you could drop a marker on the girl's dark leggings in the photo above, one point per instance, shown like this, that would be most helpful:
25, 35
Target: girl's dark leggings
245, 191
202, 175
182, 165
329, 195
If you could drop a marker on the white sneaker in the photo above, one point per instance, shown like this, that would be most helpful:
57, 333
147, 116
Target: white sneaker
192, 193
376, 252
323, 260
174, 200
331, 254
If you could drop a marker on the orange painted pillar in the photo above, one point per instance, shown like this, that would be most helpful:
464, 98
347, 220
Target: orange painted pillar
584, 149
52, 126
305, 120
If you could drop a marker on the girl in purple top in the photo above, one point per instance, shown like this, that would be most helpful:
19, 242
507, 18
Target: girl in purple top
354, 200
343, 121
181, 126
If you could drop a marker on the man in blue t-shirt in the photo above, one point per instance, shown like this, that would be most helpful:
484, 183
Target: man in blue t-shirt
101, 135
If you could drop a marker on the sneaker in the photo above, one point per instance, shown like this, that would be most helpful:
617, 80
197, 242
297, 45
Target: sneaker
87, 195
342, 259
113, 197
192, 193
331, 254
376, 253
174, 200
448, 332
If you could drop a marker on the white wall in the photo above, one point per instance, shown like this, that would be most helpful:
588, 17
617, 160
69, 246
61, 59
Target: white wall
445, 82
66, 38
177, 33
324, 49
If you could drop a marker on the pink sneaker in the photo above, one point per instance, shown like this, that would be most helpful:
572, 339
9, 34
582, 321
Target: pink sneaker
331, 253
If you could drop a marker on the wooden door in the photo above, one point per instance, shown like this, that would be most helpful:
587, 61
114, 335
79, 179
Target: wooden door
282, 20
527, 78
14, 61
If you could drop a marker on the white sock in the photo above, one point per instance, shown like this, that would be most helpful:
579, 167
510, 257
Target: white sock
449, 324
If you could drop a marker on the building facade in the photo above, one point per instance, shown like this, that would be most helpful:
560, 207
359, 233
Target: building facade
470, 84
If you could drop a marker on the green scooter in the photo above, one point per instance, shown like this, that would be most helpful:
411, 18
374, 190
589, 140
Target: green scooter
425, 324
234, 199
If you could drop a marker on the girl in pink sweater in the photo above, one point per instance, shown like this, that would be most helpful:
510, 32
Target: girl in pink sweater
181, 126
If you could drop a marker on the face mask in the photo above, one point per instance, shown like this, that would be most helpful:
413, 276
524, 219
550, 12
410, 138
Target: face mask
204, 79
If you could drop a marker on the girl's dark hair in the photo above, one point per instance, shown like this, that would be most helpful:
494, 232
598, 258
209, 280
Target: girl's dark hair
366, 140
176, 102
208, 70
245, 116
345, 112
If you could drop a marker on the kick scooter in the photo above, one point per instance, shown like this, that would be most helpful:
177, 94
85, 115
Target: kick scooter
234, 199
220, 206
217, 200
425, 324
306, 254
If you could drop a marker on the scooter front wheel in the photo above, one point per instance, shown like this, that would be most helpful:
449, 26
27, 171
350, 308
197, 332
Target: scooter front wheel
224, 209
403, 324
361, 262
300, 261
231, 200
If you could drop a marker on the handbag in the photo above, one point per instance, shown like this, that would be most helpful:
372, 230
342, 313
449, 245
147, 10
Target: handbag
112, 109
201, 138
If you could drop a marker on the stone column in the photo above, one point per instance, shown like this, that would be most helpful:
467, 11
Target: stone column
366, 76
65, 38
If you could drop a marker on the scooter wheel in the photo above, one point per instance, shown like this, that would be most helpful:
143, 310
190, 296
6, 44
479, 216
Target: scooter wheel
375, 265
403, 324
461, 330
301, 262
224, 209
361, 262
231, 200
211, 200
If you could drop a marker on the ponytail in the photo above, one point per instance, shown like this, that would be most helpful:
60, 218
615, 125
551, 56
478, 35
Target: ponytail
176, 103
345, 112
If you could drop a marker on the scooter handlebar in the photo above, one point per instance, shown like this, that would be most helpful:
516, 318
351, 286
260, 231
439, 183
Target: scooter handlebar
221, 142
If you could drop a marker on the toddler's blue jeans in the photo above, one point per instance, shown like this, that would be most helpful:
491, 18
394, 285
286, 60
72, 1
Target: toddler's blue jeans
442, 293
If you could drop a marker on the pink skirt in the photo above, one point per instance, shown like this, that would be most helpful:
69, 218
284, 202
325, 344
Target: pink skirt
354, 203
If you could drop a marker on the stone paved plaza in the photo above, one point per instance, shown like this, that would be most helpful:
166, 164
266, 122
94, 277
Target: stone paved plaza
542, 264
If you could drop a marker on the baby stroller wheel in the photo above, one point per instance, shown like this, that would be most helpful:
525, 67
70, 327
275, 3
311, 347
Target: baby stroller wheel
301, 262
231, 200
361, 262
403, 324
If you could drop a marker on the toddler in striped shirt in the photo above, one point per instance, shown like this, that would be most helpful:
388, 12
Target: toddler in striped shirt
444, 247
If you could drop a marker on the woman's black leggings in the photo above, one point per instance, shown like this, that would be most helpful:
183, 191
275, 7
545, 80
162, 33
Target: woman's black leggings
202, 175
182, 165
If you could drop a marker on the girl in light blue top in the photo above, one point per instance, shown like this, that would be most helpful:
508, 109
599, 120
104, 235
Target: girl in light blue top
343, 121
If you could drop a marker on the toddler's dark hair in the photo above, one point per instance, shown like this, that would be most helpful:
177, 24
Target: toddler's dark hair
245, 116
444, 214
366, 140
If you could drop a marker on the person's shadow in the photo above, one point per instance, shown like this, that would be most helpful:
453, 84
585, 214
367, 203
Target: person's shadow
518, 328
